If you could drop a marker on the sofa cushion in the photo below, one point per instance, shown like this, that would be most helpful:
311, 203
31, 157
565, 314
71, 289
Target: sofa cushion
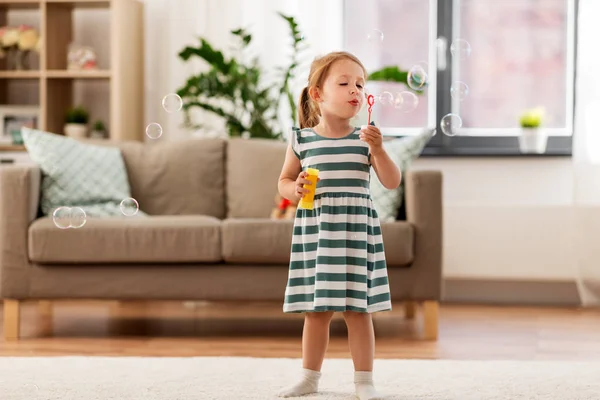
91, 177
253, 169
257, 240
264, 241
157, 239
177, 177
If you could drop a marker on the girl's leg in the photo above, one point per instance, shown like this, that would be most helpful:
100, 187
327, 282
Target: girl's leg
361, 340
315, 338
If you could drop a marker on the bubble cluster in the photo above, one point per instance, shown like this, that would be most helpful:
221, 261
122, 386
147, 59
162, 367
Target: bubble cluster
69, 217
404, 101
452, 123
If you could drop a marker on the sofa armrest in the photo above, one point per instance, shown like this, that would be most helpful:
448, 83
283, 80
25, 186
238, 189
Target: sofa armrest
423, 198
19, 197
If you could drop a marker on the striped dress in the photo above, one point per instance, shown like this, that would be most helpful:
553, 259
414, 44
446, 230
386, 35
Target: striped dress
337, 261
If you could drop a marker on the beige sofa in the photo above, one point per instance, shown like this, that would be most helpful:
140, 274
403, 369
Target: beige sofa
208, 236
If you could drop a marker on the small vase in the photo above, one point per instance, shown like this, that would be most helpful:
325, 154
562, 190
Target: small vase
18, 60
533, 141
76, 131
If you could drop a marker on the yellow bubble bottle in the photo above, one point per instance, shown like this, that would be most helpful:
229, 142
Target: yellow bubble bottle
308, 201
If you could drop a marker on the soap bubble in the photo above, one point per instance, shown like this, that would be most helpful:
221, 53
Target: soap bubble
406, 101
459, 90
129, 207
417, 78
172, 103
450, 124
78, 217
69, 217
62, 217
154, 130
386, 99
375, 36
460, 48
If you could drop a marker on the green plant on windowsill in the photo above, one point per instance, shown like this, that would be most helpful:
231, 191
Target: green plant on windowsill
393, 73
234, 89
532, 118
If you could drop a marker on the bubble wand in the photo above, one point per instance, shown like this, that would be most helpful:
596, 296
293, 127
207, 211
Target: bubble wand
370, 102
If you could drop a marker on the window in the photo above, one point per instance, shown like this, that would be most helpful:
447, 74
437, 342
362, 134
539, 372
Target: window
408, 30
487, 61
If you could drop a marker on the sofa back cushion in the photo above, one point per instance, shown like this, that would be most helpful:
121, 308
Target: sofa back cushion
253, 168
179, 177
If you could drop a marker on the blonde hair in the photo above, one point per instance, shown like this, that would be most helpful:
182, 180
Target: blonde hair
308, 109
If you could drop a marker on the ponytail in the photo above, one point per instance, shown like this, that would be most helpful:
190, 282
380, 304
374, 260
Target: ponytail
308, 116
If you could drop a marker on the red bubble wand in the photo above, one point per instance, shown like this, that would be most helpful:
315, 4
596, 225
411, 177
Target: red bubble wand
370, 102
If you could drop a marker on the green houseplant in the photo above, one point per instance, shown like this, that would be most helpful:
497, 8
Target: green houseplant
76, 120
533, 139
234, 89
98, 130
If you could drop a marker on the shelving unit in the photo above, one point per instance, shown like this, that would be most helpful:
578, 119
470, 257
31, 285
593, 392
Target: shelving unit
115, 92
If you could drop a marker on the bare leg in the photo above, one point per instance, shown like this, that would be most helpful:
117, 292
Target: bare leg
315, 338
361, 340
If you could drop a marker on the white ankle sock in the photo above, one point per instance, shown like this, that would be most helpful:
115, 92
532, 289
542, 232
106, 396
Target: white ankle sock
363, 382
308, 384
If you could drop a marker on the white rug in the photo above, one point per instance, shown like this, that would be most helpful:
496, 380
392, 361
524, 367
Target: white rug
120, 378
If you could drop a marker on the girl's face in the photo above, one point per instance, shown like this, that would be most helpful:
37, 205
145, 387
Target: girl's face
342, 94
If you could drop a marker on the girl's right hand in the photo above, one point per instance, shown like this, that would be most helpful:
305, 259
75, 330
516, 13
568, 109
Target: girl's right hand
300, 182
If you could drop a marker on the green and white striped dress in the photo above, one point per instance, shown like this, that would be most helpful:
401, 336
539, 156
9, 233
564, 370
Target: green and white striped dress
337, 261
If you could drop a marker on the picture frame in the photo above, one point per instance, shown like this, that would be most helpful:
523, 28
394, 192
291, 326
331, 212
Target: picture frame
13, 118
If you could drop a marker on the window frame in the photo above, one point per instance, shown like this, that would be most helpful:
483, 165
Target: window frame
505, 141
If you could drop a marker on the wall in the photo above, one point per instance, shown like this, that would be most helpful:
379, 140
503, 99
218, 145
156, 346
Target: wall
507, 218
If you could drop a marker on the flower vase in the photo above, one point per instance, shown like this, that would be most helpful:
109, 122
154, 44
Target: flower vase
22, 61
533, 140
18, 60
76, 131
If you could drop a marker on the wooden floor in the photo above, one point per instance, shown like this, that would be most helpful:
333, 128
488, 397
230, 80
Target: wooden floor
261, 330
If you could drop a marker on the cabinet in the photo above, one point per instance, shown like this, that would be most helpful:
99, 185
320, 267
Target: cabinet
113, 93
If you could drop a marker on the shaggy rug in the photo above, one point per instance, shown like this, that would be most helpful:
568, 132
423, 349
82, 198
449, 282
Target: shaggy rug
199, 378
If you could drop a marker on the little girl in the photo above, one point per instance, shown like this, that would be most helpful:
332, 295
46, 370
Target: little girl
337, 261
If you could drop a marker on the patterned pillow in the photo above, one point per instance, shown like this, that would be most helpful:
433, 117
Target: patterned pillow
77, 174
403, 152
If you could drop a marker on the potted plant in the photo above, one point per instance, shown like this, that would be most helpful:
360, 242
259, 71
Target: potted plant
235, 89
76, 122
533, 139
98, 130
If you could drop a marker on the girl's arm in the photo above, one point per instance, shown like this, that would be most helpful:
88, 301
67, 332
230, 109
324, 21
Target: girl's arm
387, 171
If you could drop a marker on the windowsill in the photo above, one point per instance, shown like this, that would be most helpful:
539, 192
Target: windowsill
557, 146
490, 152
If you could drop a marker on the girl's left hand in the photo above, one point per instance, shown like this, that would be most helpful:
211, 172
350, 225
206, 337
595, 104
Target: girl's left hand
372, 136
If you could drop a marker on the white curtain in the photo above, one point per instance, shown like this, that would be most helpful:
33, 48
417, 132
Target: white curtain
587, 154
